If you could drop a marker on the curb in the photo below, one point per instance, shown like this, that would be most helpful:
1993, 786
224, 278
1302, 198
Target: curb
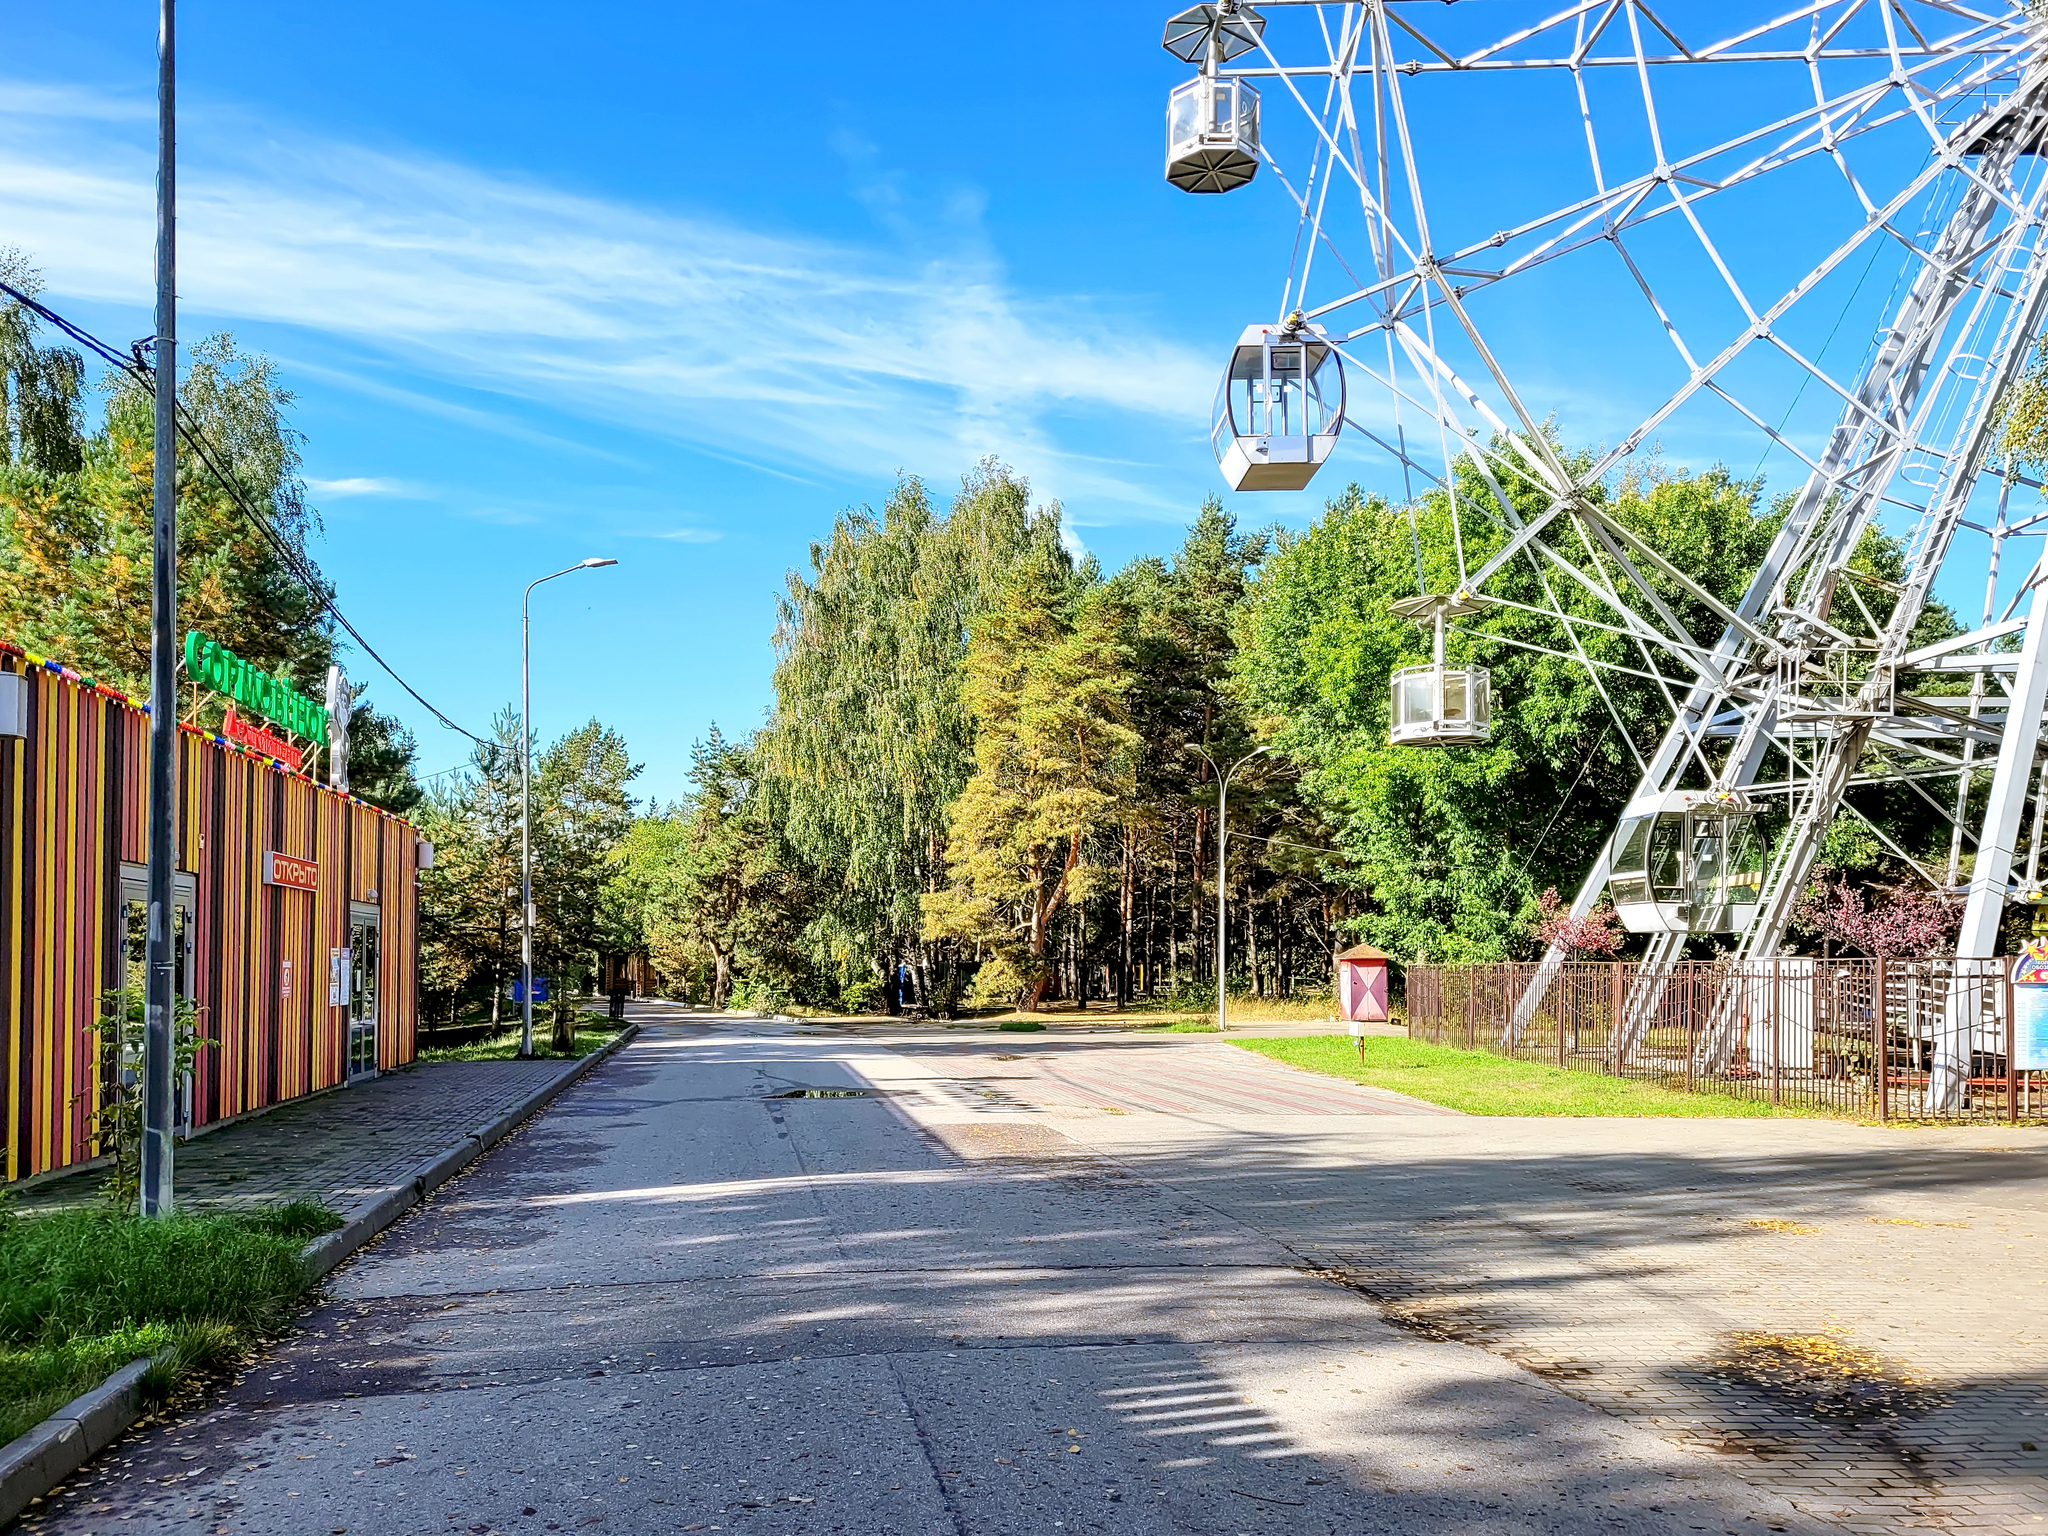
323, 1254
41, 1459
38, 1461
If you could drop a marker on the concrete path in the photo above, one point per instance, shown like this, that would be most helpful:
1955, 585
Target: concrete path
342, 1148
963, 1291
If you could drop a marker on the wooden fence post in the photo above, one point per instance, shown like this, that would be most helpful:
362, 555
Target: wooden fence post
1881, 1037
2012, 1071
1777, 1040
1691, 1001
1614, 1007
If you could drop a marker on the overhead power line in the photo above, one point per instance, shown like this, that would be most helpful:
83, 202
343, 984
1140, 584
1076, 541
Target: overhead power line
131, 364
1281, 842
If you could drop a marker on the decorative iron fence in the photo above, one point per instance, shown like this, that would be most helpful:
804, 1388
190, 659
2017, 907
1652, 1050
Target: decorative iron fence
1886, 1039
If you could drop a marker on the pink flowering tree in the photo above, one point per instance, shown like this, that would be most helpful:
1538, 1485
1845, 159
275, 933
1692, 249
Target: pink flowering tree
1904, 923
1597, 933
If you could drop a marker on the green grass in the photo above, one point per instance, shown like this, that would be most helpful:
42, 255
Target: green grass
1481, 1083
505, 1047
1182, 1027
83, 1292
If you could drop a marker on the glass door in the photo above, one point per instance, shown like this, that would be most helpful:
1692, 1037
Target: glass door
362, 995
124, 1056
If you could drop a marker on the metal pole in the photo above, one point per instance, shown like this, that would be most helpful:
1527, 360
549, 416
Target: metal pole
525, 819
1222, 909
1223, 777
526, 799
158, 1090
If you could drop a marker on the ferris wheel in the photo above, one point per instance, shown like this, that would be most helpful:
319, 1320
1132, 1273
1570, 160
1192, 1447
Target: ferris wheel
1717, 177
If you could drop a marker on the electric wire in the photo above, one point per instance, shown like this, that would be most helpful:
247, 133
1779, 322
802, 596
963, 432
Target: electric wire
131, 363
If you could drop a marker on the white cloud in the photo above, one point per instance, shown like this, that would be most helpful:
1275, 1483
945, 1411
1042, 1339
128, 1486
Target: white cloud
360, 485
776, 349
687, 535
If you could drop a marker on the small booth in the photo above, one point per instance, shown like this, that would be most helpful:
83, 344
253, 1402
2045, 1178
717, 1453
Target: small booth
293, 915
1439, 705
1280, 407
1687, 861
1362, 986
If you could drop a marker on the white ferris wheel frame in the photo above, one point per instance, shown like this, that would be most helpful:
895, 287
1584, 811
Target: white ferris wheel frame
1793, 667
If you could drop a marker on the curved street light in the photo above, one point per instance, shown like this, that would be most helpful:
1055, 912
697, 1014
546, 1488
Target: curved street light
526, 801
1223, 777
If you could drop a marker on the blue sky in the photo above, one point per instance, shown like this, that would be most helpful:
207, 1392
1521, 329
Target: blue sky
677, 285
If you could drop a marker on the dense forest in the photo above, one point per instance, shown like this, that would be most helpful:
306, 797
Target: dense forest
988, 777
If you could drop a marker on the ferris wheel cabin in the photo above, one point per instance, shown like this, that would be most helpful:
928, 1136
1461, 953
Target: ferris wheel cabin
1279, 409
1687, 861
1439, 705
1212, 135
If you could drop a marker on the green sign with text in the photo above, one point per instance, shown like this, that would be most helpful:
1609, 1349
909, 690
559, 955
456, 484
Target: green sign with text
213, 665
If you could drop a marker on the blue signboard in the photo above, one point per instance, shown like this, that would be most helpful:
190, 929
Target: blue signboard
540, 990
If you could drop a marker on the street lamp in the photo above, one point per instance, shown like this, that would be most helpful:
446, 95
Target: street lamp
526, 802
1223, 777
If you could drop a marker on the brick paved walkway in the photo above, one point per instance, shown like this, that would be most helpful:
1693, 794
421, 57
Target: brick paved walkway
340, 1148
1171, 1076
1624, 1260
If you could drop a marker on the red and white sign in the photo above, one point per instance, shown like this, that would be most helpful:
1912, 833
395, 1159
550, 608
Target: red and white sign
283, 869
260, 739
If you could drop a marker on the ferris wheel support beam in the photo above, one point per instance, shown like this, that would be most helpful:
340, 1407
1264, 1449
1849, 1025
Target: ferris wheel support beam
1991, 876
1820, 535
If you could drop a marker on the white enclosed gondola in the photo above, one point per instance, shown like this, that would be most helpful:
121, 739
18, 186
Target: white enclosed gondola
1280, 407
1212, 123
1687, 861
1212, 135
1439, 705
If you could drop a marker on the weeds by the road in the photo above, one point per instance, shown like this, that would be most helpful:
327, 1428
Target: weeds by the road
83, 1292
505, 1046
1480, 1083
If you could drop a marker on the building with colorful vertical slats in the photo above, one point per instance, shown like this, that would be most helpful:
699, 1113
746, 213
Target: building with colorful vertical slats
295, 905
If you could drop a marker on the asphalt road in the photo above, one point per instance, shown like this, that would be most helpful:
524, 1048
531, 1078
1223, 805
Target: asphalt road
680, 1302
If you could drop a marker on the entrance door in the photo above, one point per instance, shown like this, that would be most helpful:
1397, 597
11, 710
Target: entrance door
362, 992
134, 972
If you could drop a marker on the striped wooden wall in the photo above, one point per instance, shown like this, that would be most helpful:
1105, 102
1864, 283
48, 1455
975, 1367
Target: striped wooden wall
72, 803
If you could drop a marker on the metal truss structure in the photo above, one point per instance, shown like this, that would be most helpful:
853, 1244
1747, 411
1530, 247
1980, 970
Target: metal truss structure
1741, 173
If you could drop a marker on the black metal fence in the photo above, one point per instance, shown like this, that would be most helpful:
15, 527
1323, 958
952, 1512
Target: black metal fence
1886, 1039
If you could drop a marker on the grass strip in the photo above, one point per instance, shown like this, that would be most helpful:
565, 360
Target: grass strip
1481, 1083
83, 1292
505, 1047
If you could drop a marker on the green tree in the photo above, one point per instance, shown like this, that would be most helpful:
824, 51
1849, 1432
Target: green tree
469, 900
870, 741
1047, 681
1448, 849
710, 881
581, 813
40, 429
76, 527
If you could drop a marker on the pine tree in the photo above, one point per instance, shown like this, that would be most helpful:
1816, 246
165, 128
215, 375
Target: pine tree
1047, 682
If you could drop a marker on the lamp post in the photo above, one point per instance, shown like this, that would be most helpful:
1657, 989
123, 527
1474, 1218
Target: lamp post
526, 801
1223, 778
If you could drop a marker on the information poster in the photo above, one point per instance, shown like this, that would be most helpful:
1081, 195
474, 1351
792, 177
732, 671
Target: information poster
2030, 1008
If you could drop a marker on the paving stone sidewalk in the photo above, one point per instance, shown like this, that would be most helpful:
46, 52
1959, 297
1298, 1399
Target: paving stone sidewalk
1731, 1288
340, 1148
1853, 1317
